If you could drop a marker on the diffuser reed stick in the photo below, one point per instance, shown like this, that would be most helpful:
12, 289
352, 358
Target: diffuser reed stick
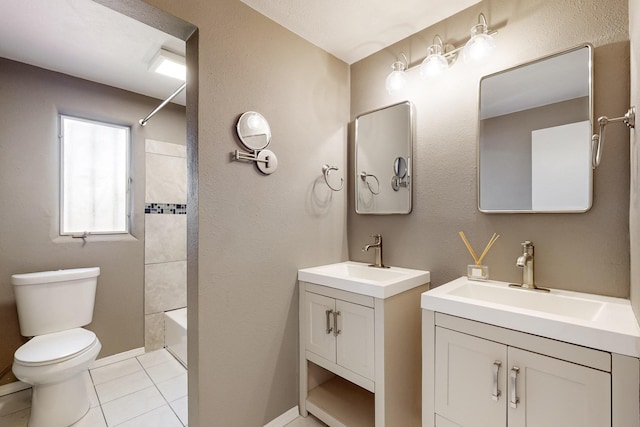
486, 249
469, 248
477, 260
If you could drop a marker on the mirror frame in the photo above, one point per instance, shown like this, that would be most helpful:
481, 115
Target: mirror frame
409, 161
591, 121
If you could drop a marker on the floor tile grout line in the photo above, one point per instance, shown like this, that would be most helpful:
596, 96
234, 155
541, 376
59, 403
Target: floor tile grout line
137, 416
175, 413
119, 376
98, 399
127, 394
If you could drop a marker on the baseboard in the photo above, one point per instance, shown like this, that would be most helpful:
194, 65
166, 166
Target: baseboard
285, 418
13, 387
117, 358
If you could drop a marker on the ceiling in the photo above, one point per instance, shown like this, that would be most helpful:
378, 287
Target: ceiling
87, 40
354, 29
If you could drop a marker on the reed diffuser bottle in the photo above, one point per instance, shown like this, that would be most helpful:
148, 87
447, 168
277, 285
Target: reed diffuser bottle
478, 271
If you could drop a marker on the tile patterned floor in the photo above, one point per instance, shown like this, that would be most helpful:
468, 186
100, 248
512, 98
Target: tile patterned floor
144, 391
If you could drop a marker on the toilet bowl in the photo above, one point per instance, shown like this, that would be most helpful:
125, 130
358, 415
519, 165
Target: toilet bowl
54, 364
52, 307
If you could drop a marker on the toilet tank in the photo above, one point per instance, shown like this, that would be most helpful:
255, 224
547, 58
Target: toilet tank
53, 301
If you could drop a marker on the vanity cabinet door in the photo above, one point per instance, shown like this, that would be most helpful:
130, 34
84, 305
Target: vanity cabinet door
355, 339
470, 380
319, 324
556, 393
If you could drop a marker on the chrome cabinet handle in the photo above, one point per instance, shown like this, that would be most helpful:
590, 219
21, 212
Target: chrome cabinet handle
513, 402
336, 331
328, 314
495, 395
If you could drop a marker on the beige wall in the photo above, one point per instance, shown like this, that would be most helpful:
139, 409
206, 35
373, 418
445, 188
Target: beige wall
31, 100
634, 223
256, 231
584, 252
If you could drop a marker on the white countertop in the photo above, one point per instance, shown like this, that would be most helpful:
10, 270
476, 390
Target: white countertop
611, 327
360, 278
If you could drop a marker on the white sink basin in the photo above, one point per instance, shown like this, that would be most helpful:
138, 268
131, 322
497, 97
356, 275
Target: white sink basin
553, 303
362, 279
595, 321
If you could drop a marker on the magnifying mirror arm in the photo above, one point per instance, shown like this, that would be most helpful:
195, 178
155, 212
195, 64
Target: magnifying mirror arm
250, 157
265, 160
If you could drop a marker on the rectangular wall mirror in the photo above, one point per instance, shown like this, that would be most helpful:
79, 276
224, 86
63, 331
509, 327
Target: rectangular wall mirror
534, 143
383, 160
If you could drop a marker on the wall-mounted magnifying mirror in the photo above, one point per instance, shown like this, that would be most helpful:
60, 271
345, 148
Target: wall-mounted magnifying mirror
400, 167
384, 149
398, 181
254, 131
534, 148
255, 134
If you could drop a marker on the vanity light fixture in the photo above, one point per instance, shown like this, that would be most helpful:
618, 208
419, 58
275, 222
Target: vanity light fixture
481, 42
169, 64
435, 63
440, 56
397, 79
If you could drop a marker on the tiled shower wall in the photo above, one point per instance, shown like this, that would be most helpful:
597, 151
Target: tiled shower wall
165, 247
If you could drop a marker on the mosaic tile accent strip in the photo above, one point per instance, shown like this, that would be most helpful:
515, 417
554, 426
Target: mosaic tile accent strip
165, 208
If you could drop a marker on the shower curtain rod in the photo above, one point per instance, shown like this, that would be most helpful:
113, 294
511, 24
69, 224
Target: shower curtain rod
144, 121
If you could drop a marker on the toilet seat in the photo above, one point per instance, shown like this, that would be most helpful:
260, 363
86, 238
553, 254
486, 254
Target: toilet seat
55, 347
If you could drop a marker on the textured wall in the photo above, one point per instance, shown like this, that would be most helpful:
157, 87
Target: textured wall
634, 223
29, 176
256, 231
583, 252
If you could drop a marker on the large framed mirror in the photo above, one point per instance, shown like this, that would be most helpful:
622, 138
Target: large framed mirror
383, 160
534, 139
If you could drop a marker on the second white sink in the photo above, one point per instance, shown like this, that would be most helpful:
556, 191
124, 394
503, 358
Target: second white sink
595, 321
360, 278
553, 303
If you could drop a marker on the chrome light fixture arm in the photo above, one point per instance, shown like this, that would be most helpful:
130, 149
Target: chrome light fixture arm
597, 140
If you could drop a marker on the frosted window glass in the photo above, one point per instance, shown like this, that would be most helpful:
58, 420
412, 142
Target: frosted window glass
95, 176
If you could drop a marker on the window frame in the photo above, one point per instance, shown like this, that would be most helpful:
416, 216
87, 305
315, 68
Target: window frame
128, 178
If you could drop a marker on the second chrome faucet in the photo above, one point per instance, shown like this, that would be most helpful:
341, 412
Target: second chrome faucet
377, 245
525, 262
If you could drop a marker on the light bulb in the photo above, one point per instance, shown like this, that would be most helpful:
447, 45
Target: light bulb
479, 45
434, 64
397, 80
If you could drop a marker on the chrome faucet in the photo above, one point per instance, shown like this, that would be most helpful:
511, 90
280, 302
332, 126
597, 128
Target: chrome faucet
525, 262
377, 245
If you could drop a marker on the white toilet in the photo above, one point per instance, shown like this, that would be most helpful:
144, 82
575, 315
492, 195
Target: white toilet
52, 308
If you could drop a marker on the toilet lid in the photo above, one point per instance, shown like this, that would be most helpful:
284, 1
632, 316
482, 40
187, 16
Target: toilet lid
55, 347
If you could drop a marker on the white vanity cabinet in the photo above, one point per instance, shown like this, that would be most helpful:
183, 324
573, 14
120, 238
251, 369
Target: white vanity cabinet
478, 375
360, 356
341, 332
484, 383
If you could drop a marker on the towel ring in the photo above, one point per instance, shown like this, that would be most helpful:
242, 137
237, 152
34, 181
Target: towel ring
364, 176
326, 170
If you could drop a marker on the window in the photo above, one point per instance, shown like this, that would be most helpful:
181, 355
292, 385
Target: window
95, 177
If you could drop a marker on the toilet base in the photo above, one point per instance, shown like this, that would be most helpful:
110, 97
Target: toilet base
59, 404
